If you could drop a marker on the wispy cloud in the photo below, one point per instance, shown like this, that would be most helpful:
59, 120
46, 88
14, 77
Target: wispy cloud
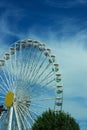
71, 54
9, 20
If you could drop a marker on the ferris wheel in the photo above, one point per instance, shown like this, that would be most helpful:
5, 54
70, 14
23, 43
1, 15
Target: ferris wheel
30, 83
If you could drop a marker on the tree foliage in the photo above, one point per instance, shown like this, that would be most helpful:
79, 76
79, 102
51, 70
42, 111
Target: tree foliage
50, 120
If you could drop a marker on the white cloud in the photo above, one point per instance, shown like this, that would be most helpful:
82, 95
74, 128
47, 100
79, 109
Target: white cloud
72, 57
71, 54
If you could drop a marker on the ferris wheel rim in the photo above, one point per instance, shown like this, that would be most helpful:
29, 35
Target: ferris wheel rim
58, 100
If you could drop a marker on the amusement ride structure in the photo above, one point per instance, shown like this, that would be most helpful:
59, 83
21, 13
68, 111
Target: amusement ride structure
30, 83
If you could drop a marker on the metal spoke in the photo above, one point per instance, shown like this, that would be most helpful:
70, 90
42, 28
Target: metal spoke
37, 105
21, 116
25, 117
17, 117
43, 99
24, 107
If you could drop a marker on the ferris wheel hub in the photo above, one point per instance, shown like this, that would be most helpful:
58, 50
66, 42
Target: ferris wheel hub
9, 98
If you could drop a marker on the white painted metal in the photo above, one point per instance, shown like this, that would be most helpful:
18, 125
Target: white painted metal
10, 119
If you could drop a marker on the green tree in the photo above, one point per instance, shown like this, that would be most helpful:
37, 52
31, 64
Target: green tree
50, 120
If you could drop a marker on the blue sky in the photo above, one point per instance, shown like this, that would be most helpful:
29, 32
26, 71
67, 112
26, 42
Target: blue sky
62, 25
